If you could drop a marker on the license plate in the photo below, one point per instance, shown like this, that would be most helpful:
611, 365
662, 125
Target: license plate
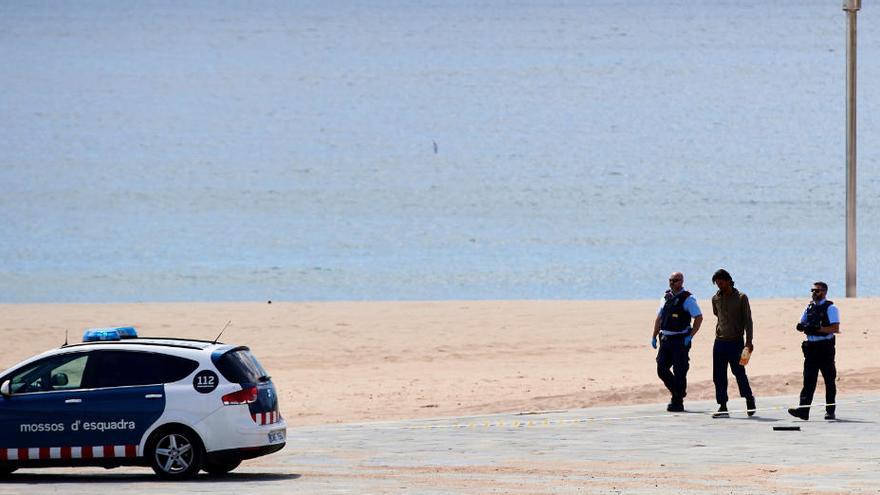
276, 436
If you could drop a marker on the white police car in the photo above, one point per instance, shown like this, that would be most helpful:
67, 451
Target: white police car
177, 405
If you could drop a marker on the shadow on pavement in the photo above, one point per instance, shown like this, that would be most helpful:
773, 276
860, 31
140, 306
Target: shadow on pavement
848, 421
32, 478
753, 418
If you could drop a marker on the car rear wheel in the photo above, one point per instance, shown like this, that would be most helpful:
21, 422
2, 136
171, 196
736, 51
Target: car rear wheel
176, 454
219, 468
6, 470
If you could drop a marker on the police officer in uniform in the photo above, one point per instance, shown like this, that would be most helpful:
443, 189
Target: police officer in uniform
673, 325
819, 323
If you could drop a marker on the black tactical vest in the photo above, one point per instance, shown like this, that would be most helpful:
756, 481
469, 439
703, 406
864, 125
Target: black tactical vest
674, 317
817, 317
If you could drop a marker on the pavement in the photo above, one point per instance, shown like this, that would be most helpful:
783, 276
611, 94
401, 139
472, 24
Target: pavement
638, 449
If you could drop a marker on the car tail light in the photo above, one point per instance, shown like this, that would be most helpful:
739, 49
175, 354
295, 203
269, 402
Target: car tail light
244, 396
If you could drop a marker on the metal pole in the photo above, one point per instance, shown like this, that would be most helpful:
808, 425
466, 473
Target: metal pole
851, 7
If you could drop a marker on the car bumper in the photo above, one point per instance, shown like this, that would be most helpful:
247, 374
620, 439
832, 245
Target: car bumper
233, 428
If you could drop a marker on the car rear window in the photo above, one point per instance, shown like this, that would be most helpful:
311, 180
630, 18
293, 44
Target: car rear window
240, 366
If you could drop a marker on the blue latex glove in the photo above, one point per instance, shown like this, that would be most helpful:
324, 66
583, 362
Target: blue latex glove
688, 339
654, 342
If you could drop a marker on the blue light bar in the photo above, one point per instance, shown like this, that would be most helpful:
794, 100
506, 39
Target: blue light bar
108, 334
99, 334
127, 332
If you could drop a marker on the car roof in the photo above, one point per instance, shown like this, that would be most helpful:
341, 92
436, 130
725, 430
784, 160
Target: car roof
168, 345
155, 342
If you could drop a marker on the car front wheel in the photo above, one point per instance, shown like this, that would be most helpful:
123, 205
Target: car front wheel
6, 470
176, 454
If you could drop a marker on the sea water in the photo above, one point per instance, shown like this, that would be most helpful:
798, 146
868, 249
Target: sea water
324, 150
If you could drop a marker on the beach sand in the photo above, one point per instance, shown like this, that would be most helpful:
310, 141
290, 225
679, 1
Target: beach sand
349, 362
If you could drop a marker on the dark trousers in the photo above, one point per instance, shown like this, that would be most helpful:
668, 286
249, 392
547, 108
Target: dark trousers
674, 354
819, 356
726, 354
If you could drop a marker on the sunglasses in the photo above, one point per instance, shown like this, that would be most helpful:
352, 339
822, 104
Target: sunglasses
675, 280
817, 290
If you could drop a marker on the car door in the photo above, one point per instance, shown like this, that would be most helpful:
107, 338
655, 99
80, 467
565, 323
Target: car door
125, 399
36, 418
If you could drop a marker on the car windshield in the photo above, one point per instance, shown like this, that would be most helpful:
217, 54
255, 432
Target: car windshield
240, 366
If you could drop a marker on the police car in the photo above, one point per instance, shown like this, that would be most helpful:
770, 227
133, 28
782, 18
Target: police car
179, 406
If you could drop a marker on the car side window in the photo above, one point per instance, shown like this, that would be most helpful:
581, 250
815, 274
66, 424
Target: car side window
62, 372
135, 368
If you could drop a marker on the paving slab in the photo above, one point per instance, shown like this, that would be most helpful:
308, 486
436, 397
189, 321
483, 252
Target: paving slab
638, 449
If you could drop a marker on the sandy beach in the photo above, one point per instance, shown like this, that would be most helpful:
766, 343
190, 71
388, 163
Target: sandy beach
350, 362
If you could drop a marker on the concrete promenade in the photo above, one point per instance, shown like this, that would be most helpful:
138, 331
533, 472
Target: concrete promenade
633, 449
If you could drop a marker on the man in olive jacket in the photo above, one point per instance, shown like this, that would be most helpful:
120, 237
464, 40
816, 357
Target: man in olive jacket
734, 314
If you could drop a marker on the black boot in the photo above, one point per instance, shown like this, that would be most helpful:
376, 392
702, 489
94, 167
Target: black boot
800, 412
750, 406
675, 406
722, 412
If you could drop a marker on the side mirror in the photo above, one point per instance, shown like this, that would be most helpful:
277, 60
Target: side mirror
4, 389
59, 379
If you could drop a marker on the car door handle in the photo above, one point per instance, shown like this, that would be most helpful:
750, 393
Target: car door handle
153, 396
73, 401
